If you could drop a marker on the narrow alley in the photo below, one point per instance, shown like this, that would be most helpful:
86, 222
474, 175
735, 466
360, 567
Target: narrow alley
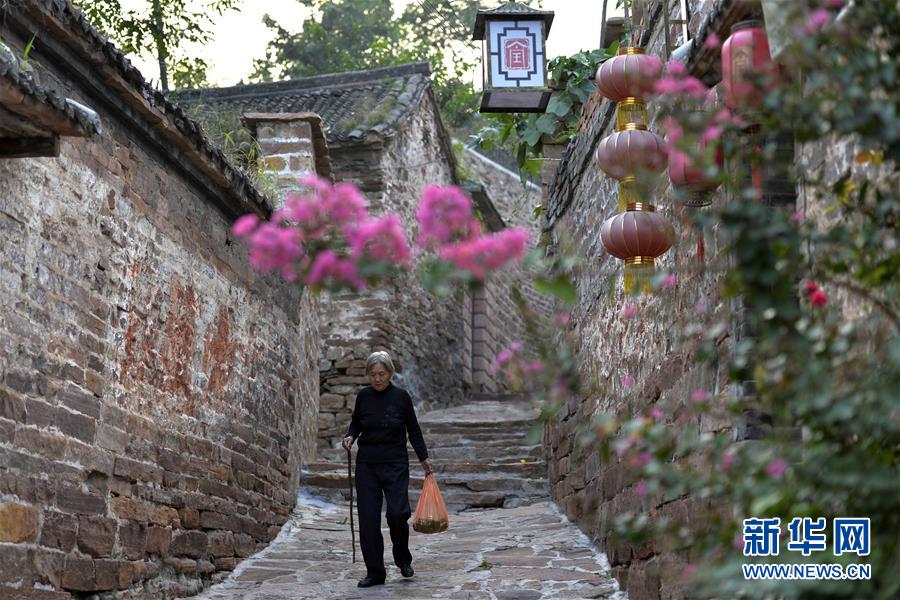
486, 464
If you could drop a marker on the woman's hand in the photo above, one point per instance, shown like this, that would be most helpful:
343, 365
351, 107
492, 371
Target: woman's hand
347, 443
426, 464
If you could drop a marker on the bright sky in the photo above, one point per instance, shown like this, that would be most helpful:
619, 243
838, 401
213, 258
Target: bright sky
576, 27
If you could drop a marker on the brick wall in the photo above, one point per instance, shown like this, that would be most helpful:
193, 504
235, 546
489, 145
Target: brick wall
154, 392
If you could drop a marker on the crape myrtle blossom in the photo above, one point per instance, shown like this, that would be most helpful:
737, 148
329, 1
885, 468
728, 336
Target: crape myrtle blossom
325, 238
516, 366
275, 248
816, 296
445, 216
379, 240
329, 270
678, 82
776, 468
325, 210
817, 20
483, 255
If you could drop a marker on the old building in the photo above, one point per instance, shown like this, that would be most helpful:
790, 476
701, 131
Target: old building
385, 135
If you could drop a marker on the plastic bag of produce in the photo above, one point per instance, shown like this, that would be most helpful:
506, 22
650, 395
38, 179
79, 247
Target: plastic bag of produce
431, 512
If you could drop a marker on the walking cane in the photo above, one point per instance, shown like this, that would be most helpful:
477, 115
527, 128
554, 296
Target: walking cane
350, 481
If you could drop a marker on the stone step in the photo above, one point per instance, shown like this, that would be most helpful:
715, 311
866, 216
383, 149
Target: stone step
528, 469
462, 426
457, 453
490, 438
338, 479
492, 397
456, 500
485, 455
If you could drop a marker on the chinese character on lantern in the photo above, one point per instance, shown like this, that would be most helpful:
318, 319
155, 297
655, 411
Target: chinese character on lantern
518, 54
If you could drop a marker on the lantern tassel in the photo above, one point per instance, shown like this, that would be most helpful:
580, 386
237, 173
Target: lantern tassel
639, 272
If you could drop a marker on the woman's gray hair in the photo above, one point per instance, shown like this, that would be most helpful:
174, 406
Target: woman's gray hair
380, 357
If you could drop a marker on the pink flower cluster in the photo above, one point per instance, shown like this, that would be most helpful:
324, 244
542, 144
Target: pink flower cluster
487, 253
515, 366
445, 216
325, 236
272, 247
380, 240
776, 468
678, 82
816, 296
329, 270
448, 226
327, 210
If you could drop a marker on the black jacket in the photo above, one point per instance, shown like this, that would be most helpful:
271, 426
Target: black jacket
381, 421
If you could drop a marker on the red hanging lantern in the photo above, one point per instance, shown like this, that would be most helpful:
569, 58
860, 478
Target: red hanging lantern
631, 152
689, 175
637, 236
630, 73
689, 171
746, 59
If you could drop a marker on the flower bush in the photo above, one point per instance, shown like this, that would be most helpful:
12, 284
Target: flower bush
804, 420
326, 239
811, 388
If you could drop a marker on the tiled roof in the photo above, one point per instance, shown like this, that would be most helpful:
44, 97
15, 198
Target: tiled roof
356, 107
67, 24
41, 106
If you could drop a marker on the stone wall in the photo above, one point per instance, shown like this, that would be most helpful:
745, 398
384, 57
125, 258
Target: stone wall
496, 321
613, 350
424, 335
155, 393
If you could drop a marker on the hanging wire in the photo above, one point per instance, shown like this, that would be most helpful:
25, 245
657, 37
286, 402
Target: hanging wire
603, 26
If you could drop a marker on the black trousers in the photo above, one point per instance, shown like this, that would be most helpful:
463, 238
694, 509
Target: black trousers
390, 481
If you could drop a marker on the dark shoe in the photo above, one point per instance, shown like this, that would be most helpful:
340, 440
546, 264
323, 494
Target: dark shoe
406, 570
369, 581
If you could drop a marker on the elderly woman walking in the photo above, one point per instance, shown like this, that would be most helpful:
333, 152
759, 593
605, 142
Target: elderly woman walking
382, 419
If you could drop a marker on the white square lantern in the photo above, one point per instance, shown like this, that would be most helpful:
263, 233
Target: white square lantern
514, 57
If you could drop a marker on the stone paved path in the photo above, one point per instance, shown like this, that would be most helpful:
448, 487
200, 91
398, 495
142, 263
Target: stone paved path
521, 553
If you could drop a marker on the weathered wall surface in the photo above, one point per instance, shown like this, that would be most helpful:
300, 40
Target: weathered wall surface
496, 320
612, 349
424, 335
154, 391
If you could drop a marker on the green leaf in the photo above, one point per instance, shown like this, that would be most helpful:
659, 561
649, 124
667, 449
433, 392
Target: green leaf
559, 105
547, 124
29, 47
532, 136
560, 287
